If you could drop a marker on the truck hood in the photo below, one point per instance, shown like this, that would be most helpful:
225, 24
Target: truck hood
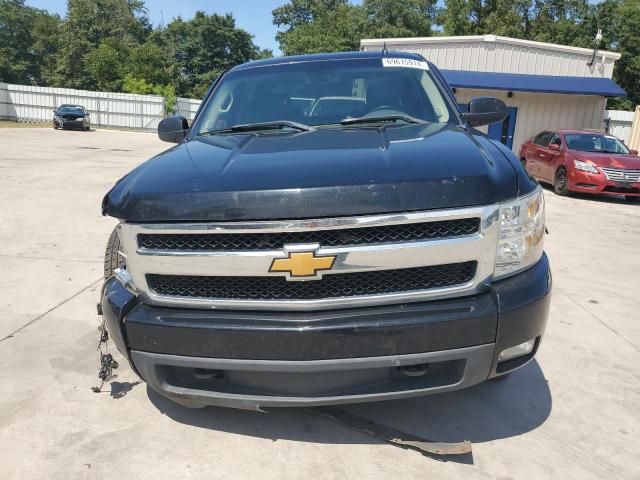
327, 172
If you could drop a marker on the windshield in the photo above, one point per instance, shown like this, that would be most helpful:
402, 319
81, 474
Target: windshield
70, 109
324, 93
595, 142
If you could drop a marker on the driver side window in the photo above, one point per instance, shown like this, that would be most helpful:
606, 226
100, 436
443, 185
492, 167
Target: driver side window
542, 140
555, 140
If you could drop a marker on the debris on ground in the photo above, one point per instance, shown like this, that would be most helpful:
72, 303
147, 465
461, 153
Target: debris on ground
390, 435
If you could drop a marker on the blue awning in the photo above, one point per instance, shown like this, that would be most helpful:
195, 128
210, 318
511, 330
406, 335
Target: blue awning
533, 83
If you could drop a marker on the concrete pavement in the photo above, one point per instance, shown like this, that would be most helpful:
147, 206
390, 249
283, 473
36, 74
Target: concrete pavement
572, 413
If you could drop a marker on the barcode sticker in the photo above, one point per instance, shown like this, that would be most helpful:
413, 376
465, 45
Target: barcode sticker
405, 63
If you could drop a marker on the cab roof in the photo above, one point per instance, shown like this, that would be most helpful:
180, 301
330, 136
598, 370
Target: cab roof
320, 57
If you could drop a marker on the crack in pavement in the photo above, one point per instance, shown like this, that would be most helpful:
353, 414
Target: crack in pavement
58, 305
602, 322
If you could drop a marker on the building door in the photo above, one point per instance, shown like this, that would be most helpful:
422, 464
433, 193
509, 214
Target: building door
503, 131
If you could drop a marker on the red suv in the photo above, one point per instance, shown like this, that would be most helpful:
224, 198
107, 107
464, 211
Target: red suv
582, 161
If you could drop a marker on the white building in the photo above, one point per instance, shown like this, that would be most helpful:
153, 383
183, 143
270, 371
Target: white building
545, 86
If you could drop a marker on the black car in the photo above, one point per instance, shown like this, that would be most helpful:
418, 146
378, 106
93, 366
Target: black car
71, 116
330, 229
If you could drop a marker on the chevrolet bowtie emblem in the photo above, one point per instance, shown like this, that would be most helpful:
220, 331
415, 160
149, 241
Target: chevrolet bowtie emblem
302, 265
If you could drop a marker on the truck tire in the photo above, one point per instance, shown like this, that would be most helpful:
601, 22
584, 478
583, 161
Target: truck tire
111, 258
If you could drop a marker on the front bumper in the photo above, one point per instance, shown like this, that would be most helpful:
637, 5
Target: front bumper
62, 123
259, 359
597, 183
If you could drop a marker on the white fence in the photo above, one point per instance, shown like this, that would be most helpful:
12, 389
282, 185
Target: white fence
620, 124
126, 110
187, 107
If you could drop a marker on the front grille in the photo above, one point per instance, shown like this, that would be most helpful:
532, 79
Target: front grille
327, 238
331, 286
622, 174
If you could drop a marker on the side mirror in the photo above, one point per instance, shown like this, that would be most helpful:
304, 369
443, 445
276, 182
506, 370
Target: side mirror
554, 146
485, 110
173, 129
633, 152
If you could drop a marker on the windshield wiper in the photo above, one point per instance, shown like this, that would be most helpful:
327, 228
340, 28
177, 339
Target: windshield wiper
259, 126
381, 118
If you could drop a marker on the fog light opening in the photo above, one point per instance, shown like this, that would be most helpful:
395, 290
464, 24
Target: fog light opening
207, 374
510, 353
417, 370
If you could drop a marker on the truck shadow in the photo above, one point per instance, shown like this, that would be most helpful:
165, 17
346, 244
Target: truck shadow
489, 411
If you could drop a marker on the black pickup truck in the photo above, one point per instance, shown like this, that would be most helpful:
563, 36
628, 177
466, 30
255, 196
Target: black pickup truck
329, 229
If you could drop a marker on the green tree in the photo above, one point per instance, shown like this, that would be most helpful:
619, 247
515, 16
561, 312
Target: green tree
562, 21
16, 62
205, 46
109, 26
28, 41
510, 18
106, 64
301, 12
477, 17
312, 26
455, 17
334, 30
619, 22
153, 60
46, 39
399, 18
309, 26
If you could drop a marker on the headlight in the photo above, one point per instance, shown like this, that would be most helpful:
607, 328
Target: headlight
521, 236
584, 166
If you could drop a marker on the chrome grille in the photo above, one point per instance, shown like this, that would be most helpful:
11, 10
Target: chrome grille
379, 259
346, 285
622, 174
328, 238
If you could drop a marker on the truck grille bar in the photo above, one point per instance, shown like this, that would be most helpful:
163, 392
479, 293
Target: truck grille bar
376, 260
328, 238
346, 285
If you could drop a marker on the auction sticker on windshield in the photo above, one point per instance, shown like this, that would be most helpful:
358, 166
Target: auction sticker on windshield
405, 62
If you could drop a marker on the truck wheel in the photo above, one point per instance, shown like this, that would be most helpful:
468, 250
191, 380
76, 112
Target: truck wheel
111, 258
561, 182
632, 199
